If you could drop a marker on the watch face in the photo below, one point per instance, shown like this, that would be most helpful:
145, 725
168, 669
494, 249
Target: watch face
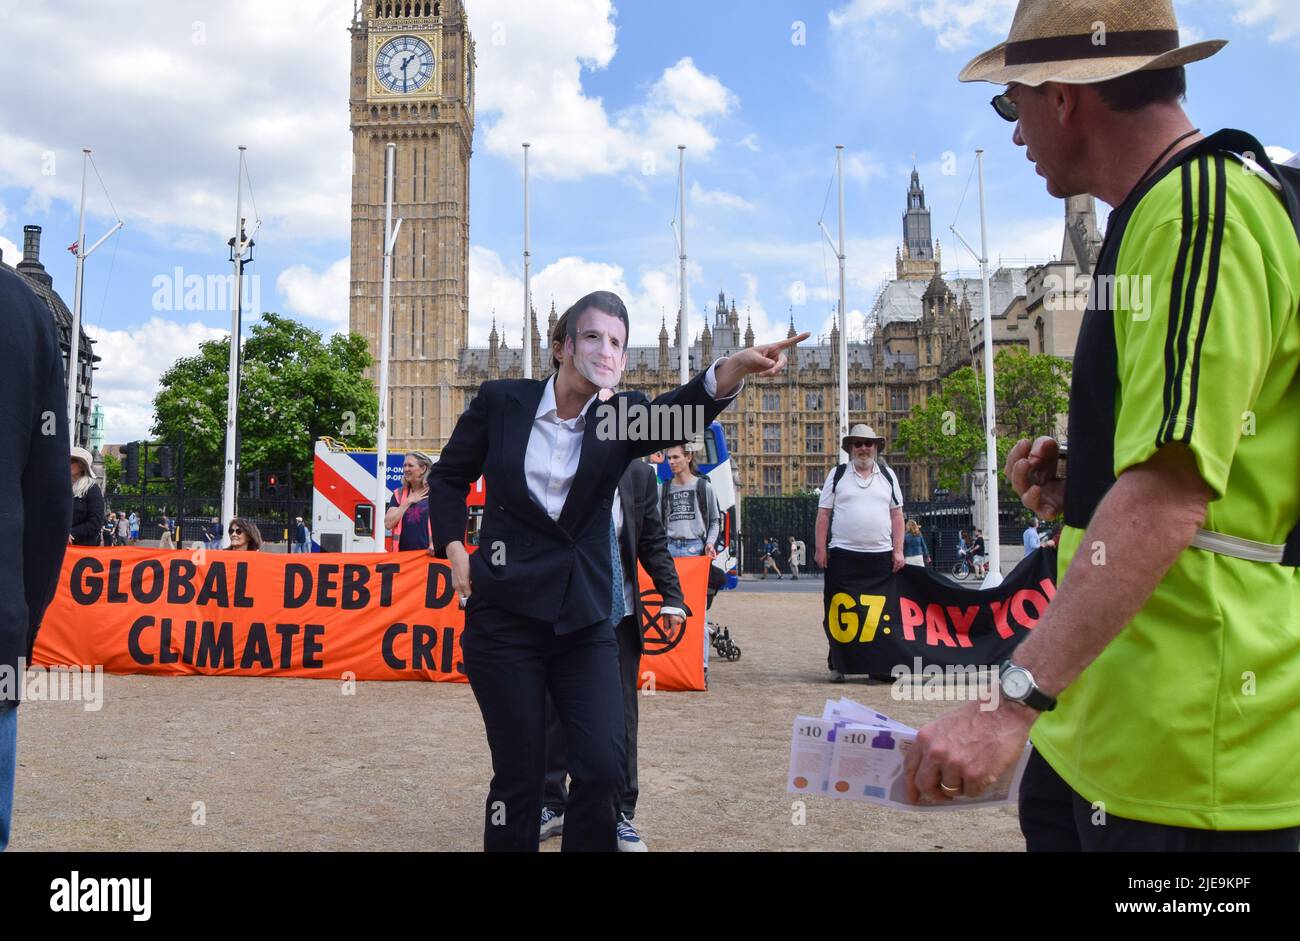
404, 64
1016, 683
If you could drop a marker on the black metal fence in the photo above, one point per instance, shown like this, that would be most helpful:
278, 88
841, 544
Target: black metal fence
273, 517
782, 517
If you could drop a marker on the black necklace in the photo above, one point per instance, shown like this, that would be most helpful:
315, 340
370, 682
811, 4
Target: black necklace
1156, 163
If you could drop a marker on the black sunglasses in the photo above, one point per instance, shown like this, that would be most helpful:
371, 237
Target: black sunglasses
1006, 108
235, 530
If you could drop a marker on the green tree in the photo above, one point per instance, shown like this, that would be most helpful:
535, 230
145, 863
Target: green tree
1030, 391
112, 474
295, 387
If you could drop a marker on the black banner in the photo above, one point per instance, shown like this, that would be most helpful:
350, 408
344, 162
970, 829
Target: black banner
876, 620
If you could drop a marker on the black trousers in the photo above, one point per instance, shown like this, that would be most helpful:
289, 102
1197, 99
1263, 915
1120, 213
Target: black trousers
1054, 818
513, 663
556, 794
838, 561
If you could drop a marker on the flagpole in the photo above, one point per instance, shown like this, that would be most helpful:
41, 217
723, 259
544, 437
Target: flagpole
993, 541
844, 327
683, 360
230, 483
843, 382
528, 287
381, 445
74, 342
74, 339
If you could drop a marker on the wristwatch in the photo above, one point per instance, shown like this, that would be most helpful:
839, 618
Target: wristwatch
1018, 685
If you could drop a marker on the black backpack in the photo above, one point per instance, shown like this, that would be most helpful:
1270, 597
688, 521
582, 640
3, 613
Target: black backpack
835, 483
1288, 189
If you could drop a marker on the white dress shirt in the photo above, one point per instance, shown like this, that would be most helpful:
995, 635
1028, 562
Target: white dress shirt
552, 456
555, 446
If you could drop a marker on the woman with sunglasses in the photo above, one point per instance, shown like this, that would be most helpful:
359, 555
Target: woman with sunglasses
244, 535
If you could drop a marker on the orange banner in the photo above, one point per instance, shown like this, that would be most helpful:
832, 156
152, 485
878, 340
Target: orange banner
674, 660
375, 616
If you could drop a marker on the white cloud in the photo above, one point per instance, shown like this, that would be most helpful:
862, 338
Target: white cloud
1279, 155
700, 196
956, 23
493, 286
749, 142
531, 57
9, 252
863, 167
164, 108
1188, 34
1278, 15
857, 326
132, 361
322, 295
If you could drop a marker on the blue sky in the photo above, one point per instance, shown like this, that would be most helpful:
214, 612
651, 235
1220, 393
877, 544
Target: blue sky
760, 91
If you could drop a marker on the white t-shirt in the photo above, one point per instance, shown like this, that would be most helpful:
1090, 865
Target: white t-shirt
862, 510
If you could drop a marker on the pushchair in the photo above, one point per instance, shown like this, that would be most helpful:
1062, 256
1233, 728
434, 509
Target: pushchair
719, 635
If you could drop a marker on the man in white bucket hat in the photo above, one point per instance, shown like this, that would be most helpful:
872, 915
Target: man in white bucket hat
1163, 684
859, 522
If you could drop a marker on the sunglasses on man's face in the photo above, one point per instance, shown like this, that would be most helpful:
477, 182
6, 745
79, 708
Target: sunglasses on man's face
1006, 108
861, 444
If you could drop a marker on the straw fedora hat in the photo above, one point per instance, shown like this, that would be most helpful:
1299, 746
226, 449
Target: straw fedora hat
1081, 42
861, 431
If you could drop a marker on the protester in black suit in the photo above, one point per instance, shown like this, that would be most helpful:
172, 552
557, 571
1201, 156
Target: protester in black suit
541, 591
35, 497
641, 538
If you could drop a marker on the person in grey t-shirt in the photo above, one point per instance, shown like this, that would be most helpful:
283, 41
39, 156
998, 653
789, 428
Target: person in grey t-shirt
692, 528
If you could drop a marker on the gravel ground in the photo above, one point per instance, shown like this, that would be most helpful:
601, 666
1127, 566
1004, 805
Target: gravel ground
232, 763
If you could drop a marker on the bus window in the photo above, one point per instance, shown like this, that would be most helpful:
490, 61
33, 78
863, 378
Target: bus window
363, 519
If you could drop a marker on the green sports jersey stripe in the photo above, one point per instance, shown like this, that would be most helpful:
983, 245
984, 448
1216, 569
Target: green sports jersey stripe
1200, 191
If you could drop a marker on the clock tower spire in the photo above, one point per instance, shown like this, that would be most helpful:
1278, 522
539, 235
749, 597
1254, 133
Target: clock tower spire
412, 83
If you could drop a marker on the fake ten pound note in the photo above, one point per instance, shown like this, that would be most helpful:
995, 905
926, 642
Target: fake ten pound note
855, 753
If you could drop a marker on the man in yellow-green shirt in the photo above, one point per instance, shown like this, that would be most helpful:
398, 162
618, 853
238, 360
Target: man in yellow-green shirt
1162, 688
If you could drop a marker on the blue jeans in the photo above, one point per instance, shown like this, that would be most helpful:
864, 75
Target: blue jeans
8, 761
685, 547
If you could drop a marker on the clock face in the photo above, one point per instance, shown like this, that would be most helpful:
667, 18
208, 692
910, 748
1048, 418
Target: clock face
404, 64
1016, 684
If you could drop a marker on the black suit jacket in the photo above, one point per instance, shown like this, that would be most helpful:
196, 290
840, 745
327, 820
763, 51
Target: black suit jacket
35, 479
644, 539
558, 571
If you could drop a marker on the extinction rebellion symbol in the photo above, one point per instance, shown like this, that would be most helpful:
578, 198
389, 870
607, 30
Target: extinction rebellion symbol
659, 637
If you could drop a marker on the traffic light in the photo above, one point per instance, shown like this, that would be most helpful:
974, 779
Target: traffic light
132, 469
165, 462
272, 482
255, 485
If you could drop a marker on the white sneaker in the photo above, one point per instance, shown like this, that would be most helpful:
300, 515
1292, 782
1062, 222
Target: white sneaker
552, 823
629, 841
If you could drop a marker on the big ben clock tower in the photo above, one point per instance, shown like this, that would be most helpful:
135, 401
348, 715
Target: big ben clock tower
413, 84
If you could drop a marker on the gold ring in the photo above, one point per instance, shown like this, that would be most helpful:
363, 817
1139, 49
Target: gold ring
950, 790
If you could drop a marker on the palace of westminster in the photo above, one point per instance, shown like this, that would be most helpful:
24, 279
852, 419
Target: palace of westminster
413, 83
